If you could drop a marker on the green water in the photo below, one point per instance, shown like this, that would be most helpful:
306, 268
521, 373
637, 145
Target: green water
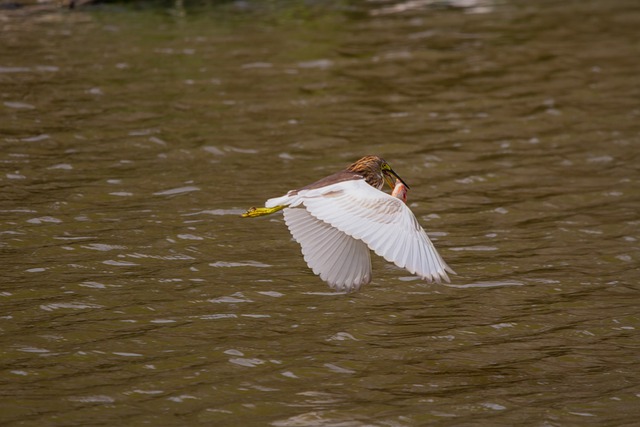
131, 138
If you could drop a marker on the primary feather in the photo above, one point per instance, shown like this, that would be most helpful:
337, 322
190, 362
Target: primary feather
340, 260
337, 224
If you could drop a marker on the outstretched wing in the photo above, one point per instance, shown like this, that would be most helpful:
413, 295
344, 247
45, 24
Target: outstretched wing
338, 259
383, 222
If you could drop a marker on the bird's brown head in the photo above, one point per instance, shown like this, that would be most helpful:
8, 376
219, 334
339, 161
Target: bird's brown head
375, 171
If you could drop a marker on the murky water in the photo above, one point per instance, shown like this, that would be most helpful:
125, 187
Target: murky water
132, 293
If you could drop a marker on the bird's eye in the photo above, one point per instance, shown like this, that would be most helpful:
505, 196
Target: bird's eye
385, 167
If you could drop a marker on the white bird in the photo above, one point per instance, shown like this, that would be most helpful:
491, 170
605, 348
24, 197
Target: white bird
340, 218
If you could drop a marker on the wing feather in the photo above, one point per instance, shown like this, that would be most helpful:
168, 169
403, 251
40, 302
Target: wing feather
339, 259
384, 223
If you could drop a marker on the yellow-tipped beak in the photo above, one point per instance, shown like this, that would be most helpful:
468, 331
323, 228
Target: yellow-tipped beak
388, 177
389, 181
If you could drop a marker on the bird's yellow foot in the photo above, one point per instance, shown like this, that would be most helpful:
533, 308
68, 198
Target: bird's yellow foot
254, 212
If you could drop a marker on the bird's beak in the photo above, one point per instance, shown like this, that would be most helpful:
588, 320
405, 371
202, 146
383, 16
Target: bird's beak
389, 175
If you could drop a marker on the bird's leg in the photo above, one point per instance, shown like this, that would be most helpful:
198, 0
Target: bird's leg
254, 212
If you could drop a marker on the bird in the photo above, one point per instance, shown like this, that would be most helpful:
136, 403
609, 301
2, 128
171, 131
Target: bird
339, 219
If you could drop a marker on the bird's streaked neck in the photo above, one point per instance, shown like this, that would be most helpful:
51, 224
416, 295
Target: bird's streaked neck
369, 167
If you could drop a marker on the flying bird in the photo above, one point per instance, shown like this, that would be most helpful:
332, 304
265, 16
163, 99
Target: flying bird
340, 218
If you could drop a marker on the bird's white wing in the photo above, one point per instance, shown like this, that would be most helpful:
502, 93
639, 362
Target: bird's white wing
338, 259
383, 222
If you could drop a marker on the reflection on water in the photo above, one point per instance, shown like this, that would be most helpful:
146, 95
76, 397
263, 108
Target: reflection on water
133, 139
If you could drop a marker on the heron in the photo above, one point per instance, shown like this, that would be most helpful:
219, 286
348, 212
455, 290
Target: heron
339, 219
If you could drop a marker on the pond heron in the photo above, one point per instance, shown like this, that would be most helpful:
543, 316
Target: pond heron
339, 219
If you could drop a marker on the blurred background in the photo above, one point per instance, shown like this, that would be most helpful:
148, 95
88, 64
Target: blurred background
133, 134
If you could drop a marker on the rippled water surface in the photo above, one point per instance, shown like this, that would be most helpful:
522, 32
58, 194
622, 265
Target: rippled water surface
133, 137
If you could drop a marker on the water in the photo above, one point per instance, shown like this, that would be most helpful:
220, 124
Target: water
132, 139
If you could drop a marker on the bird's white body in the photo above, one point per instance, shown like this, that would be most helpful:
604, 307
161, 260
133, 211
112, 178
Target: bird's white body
338, 224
